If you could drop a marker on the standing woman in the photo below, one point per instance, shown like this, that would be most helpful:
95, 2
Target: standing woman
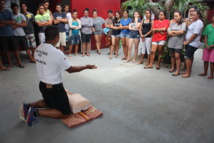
146, 35
208, 52
176, 33
159, 30
97, 29
124, 35
75, 26
192, 41
115, 35
87, 24
134, 35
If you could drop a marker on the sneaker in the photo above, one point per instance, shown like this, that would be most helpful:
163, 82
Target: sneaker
30, 117
23, 111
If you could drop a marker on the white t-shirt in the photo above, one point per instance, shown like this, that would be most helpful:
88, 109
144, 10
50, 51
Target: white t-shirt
50, 63
195, 28
18, 19
69, 18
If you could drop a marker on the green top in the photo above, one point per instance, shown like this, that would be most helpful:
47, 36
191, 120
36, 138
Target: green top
209, 32
74, 31
42, 18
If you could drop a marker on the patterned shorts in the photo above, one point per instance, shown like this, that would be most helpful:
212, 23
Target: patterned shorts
31, 40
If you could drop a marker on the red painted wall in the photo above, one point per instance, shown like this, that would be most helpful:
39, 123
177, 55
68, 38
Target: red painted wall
102, 7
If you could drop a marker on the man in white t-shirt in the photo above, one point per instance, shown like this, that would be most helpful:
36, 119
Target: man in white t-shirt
192, 41
68, 14
50, 63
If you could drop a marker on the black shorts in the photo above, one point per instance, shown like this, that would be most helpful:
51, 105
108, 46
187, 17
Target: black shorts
86, 38
21, 41
7, 43
172, 51
56, 97
190, 50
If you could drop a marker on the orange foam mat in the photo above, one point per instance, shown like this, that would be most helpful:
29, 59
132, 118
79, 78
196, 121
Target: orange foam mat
82, 117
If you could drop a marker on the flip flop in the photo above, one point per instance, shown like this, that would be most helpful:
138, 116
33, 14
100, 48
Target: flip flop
175, 74
148, 67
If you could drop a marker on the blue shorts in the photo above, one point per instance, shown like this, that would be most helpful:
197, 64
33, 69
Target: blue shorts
115, 35
122, 35
67, 35
134, 37
75, 39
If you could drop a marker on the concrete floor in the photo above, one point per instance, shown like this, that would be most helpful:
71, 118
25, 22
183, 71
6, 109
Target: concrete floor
140, 106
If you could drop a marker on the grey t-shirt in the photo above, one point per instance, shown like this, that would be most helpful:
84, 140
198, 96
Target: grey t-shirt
86, 23
176, 42
18, 19
97, 24
30, 19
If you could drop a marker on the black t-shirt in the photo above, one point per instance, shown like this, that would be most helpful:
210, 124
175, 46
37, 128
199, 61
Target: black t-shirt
116, 32
146, 27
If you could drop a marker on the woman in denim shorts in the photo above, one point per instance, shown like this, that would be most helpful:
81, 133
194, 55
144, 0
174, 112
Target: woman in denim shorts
124, 35
134, 35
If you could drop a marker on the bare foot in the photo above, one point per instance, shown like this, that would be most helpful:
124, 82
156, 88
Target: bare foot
123, 58
185, 76
171, 70
76, 54
4, 68
202, 74
133, 61
140, 62
83, 55
32, 61
127, 61
183, 72
210, 77
116, 56
110, 57
88, 54
19, 65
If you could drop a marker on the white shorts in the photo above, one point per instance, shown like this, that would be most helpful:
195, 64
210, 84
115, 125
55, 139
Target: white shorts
41, 38
146, 45
62, 39
159, 43
31, 40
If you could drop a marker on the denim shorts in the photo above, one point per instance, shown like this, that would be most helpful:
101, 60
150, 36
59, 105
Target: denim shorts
134, 36
115, 35
122, 35
75, 39
190, 50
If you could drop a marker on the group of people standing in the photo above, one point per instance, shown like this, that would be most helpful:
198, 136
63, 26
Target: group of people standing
17, 30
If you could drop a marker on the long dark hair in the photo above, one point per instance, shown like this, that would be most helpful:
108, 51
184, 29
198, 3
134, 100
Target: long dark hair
198, 13
181, 20
116, 19
150, 14
164, 12
133, 19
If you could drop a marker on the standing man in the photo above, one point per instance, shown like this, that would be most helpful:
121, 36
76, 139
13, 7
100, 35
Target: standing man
50, 63
108, 23
68, 14
6, 33
42, 20
20, 36
60, 19
29, 30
